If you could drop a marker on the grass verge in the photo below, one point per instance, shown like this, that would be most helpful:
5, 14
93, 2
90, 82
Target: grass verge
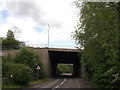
14, 86
40, 81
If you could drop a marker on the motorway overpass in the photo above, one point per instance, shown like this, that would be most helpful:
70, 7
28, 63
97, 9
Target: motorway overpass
51, 57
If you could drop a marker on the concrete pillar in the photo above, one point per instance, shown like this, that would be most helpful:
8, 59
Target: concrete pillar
44, 56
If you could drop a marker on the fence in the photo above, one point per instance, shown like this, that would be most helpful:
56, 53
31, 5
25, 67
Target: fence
52, 46
8, 47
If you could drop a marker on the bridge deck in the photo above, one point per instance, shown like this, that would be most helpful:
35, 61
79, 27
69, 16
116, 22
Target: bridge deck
61, 49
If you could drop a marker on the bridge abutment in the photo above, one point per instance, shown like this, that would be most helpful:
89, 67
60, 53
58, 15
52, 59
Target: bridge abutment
50, 57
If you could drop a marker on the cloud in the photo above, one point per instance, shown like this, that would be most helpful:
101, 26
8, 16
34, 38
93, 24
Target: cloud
31, 10
33, 18
28, 33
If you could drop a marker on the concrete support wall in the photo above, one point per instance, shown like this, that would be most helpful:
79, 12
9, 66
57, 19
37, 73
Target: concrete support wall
42, 53
84, 74
44, 56
9, 52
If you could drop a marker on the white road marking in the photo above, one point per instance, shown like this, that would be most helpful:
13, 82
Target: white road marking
60, 84
63, 81
50, 84
55, 87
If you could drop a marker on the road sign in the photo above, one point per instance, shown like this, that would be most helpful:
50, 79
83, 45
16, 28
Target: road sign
38, 68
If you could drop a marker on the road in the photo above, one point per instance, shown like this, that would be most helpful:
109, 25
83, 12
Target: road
63, 82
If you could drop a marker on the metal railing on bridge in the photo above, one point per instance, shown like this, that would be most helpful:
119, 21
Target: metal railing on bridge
8, 47
52, 46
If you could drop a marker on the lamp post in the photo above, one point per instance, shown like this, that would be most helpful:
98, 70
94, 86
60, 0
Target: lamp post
48, 34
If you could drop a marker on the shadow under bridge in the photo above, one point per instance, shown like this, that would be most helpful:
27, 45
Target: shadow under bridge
65, 57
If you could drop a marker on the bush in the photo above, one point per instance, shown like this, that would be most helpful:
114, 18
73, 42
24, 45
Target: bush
30, 58
22, 68
107, 77
16, 74
6, 60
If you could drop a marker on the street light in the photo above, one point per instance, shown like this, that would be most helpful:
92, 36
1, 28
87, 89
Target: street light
48, 34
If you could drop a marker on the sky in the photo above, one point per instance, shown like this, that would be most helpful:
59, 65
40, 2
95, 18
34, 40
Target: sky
32, 17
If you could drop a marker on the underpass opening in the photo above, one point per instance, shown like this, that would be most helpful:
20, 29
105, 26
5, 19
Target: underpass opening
64, 57
64, 69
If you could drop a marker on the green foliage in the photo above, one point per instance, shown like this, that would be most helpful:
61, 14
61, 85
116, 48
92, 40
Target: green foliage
10, 43
17, 73
6, 60
28, 57
10, 34
98, 33
65, 68
1, 39
14, 73
21, 69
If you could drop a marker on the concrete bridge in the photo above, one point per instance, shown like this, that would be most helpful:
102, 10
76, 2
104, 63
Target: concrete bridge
51, 57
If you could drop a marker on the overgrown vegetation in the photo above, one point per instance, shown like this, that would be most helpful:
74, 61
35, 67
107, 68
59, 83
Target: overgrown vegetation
29, 57
32, 83
65, 68
16, 74
21, 69
10, 42
98, 33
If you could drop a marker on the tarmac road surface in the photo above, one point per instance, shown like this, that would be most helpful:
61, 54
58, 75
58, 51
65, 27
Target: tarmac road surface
62, 82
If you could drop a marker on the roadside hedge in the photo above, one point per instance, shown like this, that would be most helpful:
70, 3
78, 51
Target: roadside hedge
16, 74
29, 57
21, 68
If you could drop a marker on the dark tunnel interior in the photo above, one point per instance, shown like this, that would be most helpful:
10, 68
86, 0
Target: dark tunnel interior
65, 57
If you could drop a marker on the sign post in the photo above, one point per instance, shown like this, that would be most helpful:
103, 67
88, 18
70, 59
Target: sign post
38, 68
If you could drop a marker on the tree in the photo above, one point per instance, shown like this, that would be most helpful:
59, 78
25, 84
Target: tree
10, 34
1, 39
16, 31
98, 33
10, 42
30, 58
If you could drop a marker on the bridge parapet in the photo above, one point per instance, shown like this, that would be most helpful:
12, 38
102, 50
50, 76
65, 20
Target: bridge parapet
60, 49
